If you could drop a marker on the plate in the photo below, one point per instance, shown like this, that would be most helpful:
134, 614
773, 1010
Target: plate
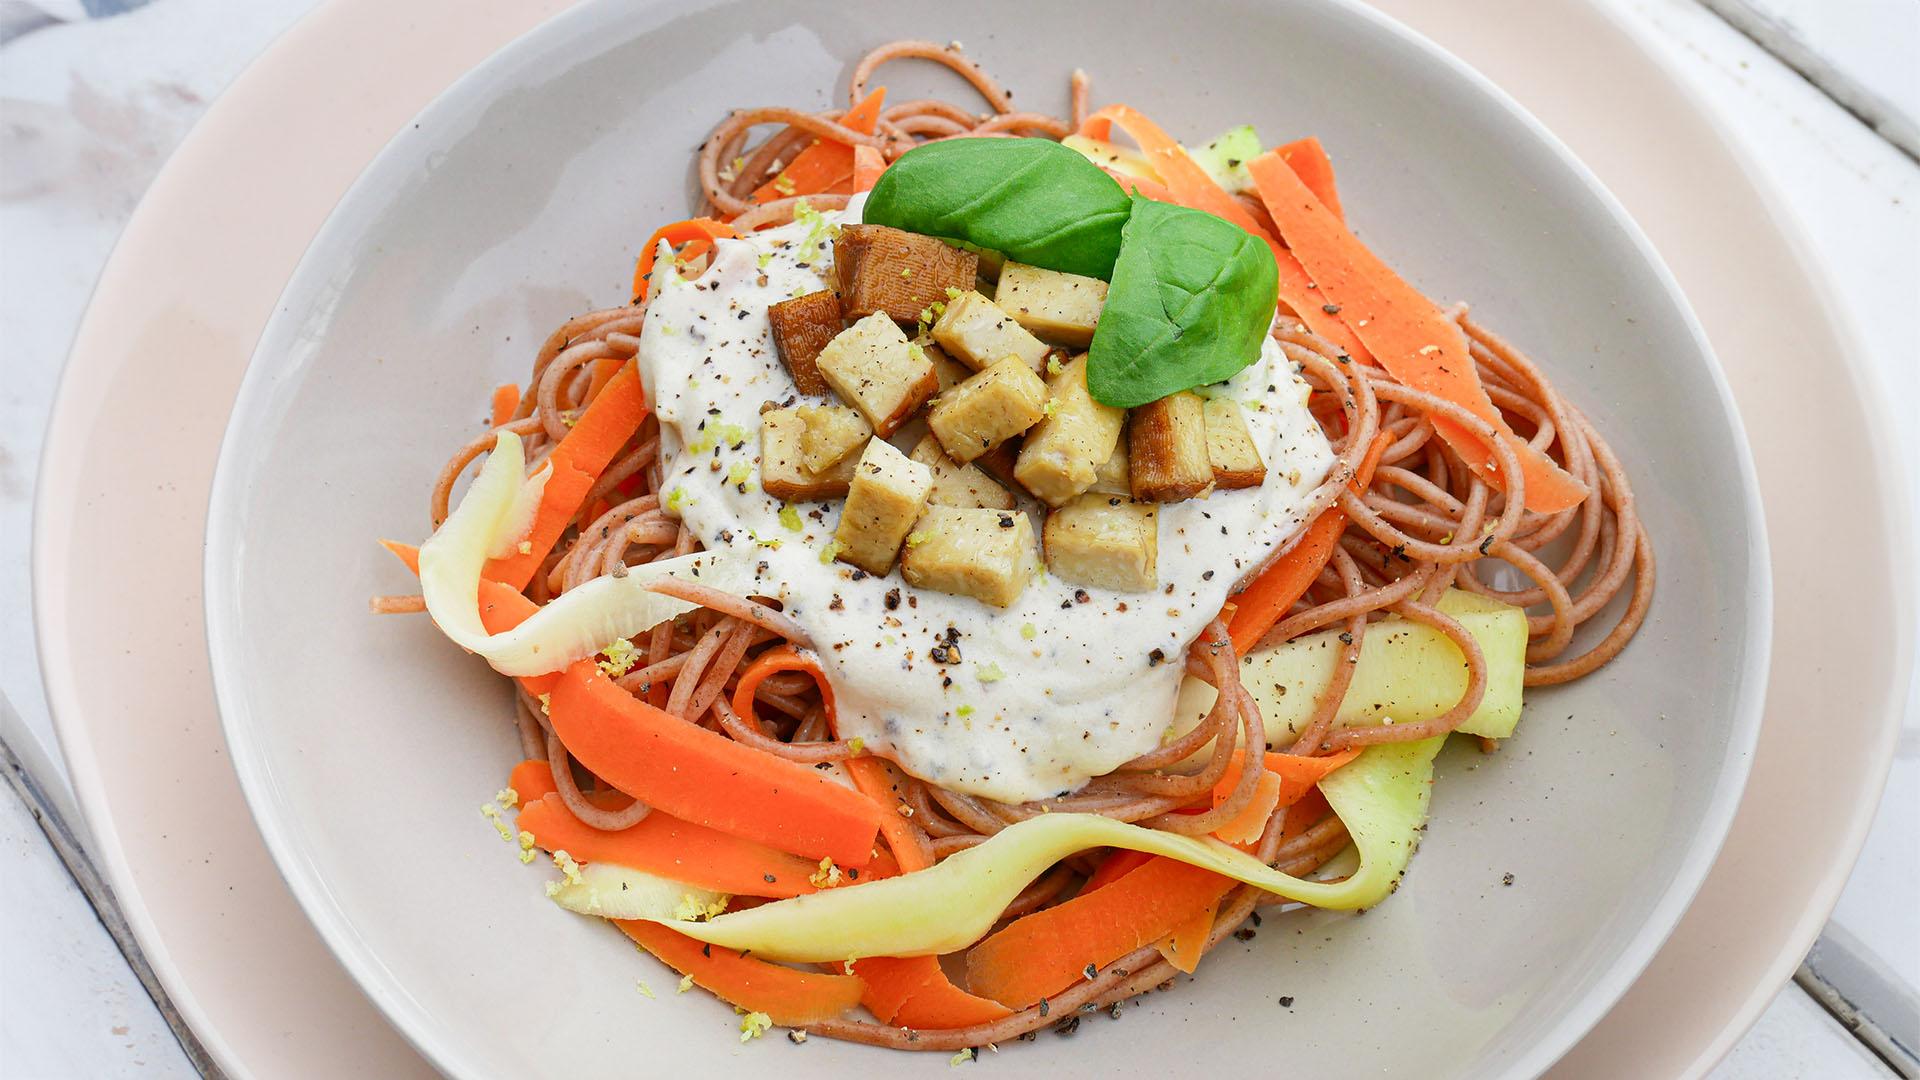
216, 922
515, 201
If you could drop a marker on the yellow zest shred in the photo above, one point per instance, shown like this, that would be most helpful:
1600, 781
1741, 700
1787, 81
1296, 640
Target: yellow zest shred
621, 656
790, 518
753, 1025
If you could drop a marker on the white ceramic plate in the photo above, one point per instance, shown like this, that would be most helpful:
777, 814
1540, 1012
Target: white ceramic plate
515, 201
198, 270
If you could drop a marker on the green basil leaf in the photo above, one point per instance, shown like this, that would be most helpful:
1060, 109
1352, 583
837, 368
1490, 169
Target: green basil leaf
1191, 302
1032, 200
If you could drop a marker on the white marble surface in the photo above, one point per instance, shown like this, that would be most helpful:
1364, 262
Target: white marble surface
89, 110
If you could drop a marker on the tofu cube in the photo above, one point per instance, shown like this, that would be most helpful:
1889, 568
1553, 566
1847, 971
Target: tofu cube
955, 484
988, 409
887, 494
965, 551
783, 466
1167, 449
882, 269
1230, 447
833, 434
874, 368
1056, 307
976, 332
1112, 476
801, 328
1107, 541
1062, 455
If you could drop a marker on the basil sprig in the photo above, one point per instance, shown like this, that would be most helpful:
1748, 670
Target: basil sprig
1191, 301
1192, 294
1032, 200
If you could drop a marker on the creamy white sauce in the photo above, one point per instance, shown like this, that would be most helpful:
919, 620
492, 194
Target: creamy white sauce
1063, 686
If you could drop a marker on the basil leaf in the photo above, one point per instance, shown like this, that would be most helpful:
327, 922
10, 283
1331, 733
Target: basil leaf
1033, 200
1191, 302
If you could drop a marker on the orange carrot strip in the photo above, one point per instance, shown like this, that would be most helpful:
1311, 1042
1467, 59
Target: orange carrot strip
1246, 826
1407, 333
913, 992
825, 165
506, 398
1046, 952
609, 421
1295, 775
789, 997
1183, 947
1122, 862
1305, 814
1267, 598
692, 773
867, 167
531, 780
604, 370
672, 848
1192, 187
693, 238
1309, 161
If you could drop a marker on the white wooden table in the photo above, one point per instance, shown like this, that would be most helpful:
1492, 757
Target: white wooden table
93, 97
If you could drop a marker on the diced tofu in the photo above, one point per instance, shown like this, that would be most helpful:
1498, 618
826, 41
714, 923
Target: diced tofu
1107, 541
801, 328
783, 467
1112, 477
882, 269
1167, 449
887, 495
874, 368
1062, 455
988, 409
1057, 307
1230, 447
833, 434
955, 484
976, 332
985, 554
990, 264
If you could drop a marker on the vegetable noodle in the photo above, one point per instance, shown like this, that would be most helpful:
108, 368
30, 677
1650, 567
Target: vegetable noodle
1425, 497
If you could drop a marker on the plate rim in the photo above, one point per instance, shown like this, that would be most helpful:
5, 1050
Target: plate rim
90, 364
415, 1021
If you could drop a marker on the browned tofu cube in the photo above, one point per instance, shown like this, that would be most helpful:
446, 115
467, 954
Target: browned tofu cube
985, 554
1112, 476
783, 468
833, 434
1107, 541
897, 272
1167, 449
955, 484
801, 328
988, 409
1062, 455
1056, 307
887, 494
874, 368
978, 333
1230, 447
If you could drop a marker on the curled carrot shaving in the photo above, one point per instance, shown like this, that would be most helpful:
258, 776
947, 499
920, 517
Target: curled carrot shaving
690, 239
669, 847
590, 445
1407, 333
867, 167
789, 997
506, 398
1267, 598
1308, 159
826, 166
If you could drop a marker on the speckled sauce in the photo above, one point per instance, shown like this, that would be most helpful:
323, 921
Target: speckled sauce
1032, 700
